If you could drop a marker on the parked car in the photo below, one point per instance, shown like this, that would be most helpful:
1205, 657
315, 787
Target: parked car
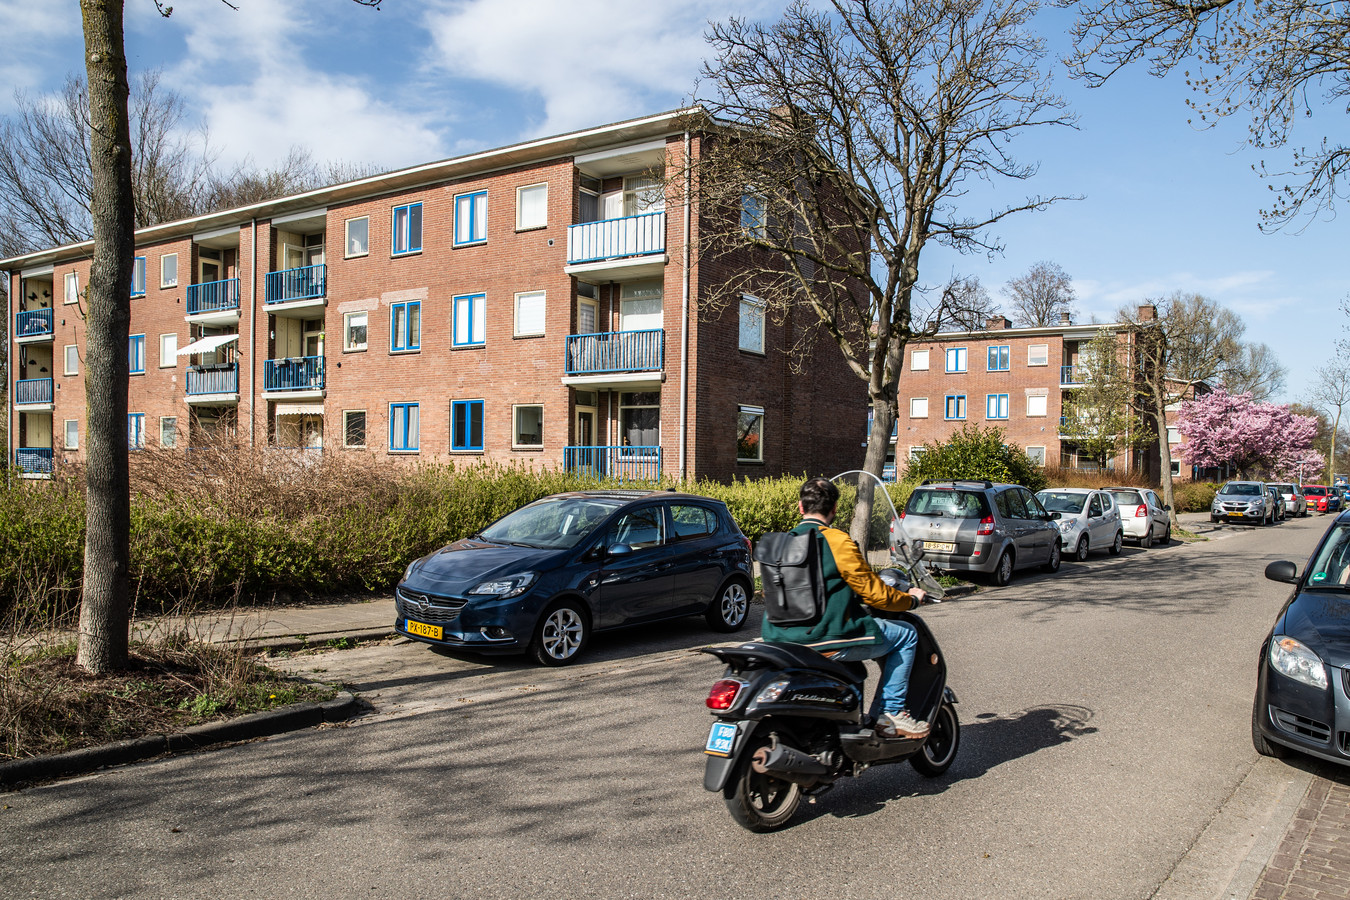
1294, 502
1245, 501
1305, 660
1143, 516
977, 526
543, 578
1276, 502
1321, 498
1089, 520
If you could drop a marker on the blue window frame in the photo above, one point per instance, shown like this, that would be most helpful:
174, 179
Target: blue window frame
466, 425
136, 353
135, 430
470, 325
405, 326
956, 359
138, 277
895, 426
471, 218
996, 406
405, 425
407, 229
955, 407
998, 358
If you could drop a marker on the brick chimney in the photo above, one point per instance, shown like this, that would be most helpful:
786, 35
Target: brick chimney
1147, 312
997, 323
1065, 319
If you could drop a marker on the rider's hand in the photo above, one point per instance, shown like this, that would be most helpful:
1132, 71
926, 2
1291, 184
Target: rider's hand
919, 595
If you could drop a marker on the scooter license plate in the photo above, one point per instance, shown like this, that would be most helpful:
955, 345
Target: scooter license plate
722, 739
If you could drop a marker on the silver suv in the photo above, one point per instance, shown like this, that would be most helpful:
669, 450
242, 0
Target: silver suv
977, 526
1245, 501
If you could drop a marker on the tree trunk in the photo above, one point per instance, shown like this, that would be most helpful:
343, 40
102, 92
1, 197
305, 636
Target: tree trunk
883, 417
1159, 411
104, 607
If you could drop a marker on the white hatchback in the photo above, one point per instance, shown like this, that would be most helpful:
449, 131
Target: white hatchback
1143, 515
1089, 520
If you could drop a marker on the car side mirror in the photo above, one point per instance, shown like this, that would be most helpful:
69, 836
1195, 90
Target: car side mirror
614, 550
1056, 515
1282, 570
1167, 507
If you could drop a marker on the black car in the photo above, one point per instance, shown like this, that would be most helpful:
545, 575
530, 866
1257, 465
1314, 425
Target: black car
542, 578
1304, 677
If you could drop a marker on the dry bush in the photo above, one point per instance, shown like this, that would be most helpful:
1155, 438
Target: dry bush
1064, 477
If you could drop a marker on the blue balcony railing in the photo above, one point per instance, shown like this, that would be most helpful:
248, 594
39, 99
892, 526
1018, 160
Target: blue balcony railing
35, 323
1070, 375
635, 463
34, 460
304, 373
216, 378
304, 283
616, 351
616, 238
213, 296
33, 390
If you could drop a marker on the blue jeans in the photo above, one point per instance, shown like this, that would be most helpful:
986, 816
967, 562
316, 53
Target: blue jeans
895, 649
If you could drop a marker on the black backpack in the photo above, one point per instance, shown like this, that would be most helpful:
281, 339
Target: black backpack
792, 577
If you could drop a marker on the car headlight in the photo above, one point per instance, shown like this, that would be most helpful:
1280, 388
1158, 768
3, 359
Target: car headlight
509, 586
407, 573
1293, 660
1067, 525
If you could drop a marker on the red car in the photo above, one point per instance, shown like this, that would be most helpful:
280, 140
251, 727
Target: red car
1322, 498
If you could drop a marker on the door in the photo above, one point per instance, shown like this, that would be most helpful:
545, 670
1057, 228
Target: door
638, 585
697, 555
1034, 534
1097, 524
590, 457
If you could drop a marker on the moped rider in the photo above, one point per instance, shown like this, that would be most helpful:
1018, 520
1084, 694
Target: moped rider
845, 631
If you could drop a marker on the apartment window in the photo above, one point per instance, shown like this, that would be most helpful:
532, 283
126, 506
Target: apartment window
135, 430
168, 431
956, 406
168, 351
353, 428
529, 313
405, 326
466, 425
407, 229
72, 359
754, 214
531, 206
996, 406
354, 331
1036, 405
358, 236
168, 270
956, 359
639, 421
1038, 355
918, 360
998, 358
529, 427
895, 425
1176, 467
136, 353
72, 434
916, 452
1173, 435
918, 407
138, 277
1037, 455
752, 324
470, 325
750, 434
643, 194
471, 218
404, 427
72, 287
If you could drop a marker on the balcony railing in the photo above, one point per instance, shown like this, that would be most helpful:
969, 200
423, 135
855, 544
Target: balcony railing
34, 323
615, 238
216, 378
1072, 375
616, 351
33, 390
213, 296
624, 463
34, 460
304, 283
303, 373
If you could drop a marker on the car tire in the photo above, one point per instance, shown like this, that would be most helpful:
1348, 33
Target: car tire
1214, 520
1147, 540
1118, 543
1080, 553
1004, 571
1263, 746
730, 608
561, 634
1055, 558
1167, 535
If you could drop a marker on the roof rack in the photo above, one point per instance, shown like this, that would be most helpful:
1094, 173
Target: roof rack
983, 482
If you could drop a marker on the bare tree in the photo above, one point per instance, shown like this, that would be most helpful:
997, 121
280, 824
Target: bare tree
1257, 372
1100, 416
963, 303
1041, 297
844, 138
1330, 394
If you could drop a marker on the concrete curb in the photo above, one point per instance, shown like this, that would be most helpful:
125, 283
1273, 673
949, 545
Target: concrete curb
255, 725
316, 640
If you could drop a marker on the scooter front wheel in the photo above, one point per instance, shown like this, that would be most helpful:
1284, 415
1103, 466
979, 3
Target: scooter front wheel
760, 802
939, 751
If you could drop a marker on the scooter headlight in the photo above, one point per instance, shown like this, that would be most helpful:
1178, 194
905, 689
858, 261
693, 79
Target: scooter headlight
772, 692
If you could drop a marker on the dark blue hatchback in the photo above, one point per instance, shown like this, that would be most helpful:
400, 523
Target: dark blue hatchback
543, 578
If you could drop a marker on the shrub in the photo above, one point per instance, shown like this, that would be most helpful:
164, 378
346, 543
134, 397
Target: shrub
1193, 496
977, 453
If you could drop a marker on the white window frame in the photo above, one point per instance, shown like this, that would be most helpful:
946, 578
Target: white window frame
515, 426
957, 360
1032, 357
758, 412
72, 282
916, 452
543, 312
69, 368
68, 443
347, 345
918, 407
1045, 400
168, 282
1033, 456
521, 223
753, 307
365, 428
918, 361
347, 239
754, 214
168, 350
162, 421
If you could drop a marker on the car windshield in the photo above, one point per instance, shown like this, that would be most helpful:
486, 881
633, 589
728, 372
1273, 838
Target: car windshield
1061, 501
945, 502
1332, 566
1315, 491
1241, 489
552, 523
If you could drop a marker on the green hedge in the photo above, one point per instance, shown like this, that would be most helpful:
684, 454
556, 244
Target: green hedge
1193, 496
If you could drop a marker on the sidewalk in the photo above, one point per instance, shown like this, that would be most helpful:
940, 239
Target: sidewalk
289, 627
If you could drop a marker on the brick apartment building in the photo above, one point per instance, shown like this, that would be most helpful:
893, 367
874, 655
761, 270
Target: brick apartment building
534, 304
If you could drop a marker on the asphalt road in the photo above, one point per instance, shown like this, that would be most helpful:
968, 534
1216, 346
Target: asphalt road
1105, 720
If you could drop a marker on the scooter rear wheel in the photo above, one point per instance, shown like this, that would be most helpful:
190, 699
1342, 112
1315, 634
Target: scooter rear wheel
939, 751
760, 802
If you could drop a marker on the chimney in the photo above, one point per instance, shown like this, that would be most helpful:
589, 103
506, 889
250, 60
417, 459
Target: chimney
997, 323
1065, 319
1147, 312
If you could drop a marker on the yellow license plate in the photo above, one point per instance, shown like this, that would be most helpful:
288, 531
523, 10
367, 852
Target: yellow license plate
426, 631
940, 546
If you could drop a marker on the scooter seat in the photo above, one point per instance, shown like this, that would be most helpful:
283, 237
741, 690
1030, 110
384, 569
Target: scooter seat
799, 656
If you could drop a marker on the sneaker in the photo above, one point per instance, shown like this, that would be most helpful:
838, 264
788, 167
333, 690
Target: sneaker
901, 725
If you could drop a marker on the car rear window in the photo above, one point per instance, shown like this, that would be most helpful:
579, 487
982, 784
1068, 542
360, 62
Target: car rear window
1126, 498
947, 502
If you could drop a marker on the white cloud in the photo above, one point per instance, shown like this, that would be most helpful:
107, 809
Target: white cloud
37, 36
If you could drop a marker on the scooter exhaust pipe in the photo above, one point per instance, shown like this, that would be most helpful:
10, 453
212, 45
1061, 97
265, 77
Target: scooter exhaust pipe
787, 763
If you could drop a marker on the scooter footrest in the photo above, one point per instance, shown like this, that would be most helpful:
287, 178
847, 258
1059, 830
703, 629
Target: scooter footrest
868, 747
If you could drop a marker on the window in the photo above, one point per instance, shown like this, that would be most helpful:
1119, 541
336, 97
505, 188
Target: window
1036, 405
529, 427
640, 420
72, 434
354, 331
72, 287
470, 325
531, 206
643, 194
405, 326
996, 406
168, 351
918, 360
353, 428
466, 425
918, 408
471, 218
404, 427
358, 236
639, 529
752, 324
168, 431
168, 270
138, 277
1176, 467
998, 358
1173, 435
136, 353
956, 359
1037, 455
916, 452
407, 229
754, 214
135, 430
956, 406
750, 434
529, 313
1038, 355
72, 359
692, 521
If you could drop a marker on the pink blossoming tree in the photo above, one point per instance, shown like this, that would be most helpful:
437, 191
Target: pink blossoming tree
1223, 429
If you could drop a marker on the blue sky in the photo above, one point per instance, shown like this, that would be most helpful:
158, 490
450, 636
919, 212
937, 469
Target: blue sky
1166, 207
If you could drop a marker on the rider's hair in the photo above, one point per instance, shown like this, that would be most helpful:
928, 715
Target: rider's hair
819, 496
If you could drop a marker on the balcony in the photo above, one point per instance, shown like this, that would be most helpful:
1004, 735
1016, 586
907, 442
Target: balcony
296, 376
623, 463
302, 288
617, 249
214, 384
1072, 376
33, 460
214, 302
33, 391
615, 359
34, 325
